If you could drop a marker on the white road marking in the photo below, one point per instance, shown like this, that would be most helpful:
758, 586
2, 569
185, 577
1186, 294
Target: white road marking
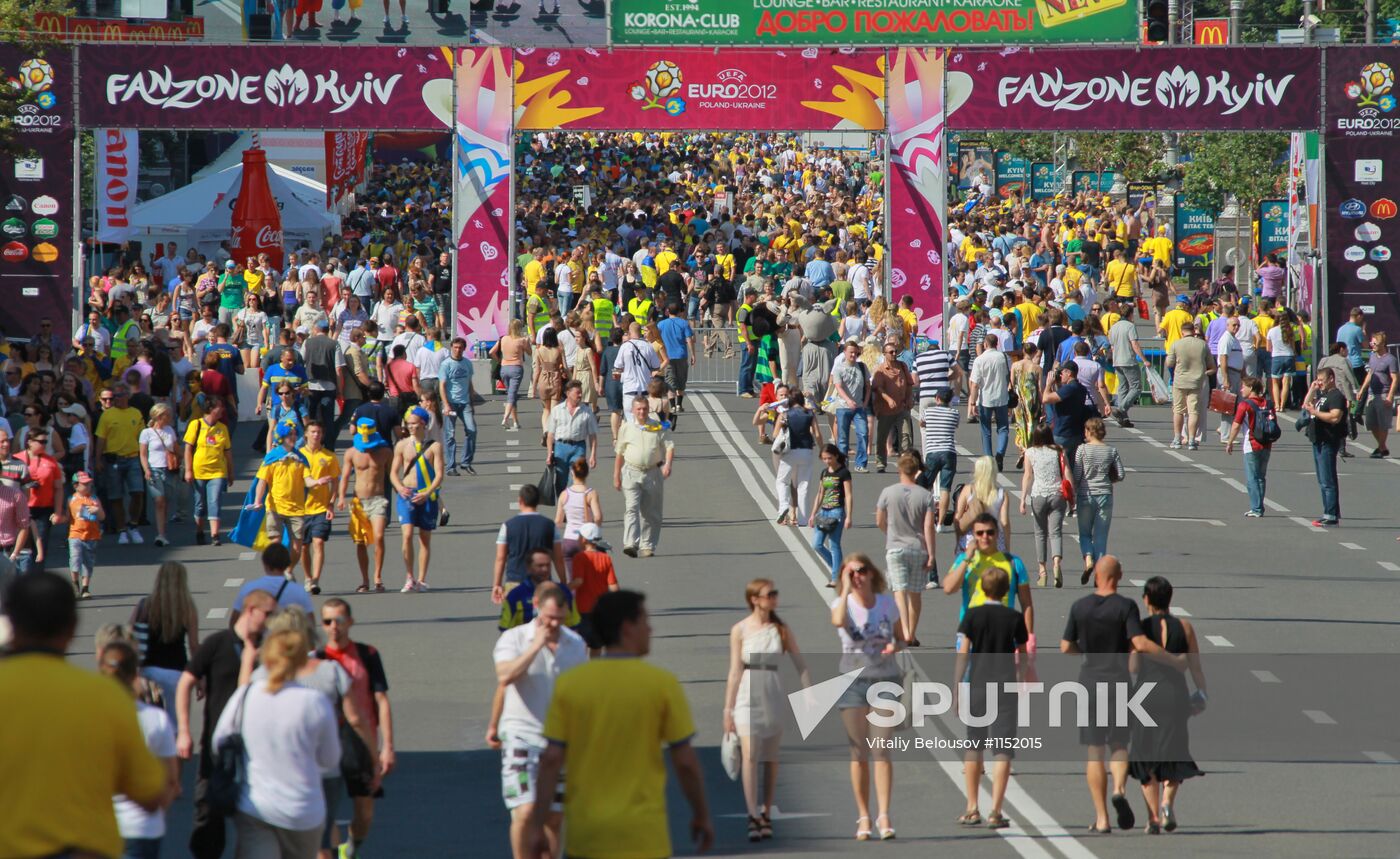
1214, 523
1275, 506
1219, 640
1388, 565
1307, 524
232, 583
1137, 583
1266, 676
1207, 469
757, 479
247, 556
1234, 484
513, 469
514, 454
1319, 717
217, 613
516, 487
1181, 612
1355, 547
512, 442
1180, 456
514, 505
229, 8
1380, 757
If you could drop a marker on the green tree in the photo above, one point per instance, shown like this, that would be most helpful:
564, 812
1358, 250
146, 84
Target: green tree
1134, 156
1245, 168
17, 32
1032, 147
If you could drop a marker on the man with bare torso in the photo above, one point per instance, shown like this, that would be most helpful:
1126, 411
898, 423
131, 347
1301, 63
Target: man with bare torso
417, 473
368, 460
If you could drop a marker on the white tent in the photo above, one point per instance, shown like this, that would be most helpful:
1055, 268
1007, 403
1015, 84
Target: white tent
302, 152
201, 213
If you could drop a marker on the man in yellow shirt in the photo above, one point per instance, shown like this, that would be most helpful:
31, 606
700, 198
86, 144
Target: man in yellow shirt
323, 474
665, 258
607, 722
72, 739
1121, 277
1030, 314
284, 478
208, 467
118, 432
534, 271
1172, 320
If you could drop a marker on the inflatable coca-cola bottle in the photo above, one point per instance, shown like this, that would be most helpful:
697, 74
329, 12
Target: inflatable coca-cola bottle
257, 224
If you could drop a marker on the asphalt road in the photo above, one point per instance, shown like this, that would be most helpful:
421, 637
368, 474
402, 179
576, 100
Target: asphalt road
1253, 588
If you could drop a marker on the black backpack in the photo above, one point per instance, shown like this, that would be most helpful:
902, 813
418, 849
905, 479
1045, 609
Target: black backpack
1264, 428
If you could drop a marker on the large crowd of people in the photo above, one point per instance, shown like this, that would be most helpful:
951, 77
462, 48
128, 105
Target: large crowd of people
776, 248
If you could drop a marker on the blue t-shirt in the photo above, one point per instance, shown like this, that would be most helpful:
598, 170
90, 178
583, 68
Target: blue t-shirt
287, 592
1036, 262
1070, 412
456, 377
1355, 340
972, 595
674, 332
1066, 350
1075, 312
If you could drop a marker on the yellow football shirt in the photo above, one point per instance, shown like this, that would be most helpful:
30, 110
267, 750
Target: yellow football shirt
286, 486
323, 464
209, 443
613, 716
121, 430
1172, 321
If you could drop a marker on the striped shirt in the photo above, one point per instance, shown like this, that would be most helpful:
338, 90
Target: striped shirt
1096, 468
932, 367
940, 425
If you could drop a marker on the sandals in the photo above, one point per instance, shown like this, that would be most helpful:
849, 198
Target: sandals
765, 826
754, 825
886, 832
1040, 582
862, 832
1094, 830
362, 589
997, 821
1168, 818
379, 587
971, 818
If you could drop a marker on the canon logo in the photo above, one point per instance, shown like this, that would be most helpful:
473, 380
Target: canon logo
117, 174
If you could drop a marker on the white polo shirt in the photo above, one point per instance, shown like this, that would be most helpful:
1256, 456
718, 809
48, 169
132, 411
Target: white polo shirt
527, 699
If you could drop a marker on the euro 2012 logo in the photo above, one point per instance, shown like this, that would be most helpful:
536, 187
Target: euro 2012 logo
660, 88
1373, 90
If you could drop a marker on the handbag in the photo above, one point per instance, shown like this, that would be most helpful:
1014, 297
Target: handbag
731, 755
1223, 401
228, 772
782, 442
549, 487
827, 524
1066, 485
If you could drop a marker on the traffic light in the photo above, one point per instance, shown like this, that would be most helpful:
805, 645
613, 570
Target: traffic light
1156, 20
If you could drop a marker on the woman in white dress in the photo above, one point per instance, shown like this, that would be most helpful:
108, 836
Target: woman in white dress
754, 699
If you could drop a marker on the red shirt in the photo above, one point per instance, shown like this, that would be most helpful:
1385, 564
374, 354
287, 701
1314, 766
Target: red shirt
387, 276
596, 570
1244, 416
45, 470
401, 377
331, 284
366, 672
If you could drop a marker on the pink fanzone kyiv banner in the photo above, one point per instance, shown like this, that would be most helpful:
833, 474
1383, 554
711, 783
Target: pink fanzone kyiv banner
918, 182
267, 86
482, 217
664, 89
1136, 89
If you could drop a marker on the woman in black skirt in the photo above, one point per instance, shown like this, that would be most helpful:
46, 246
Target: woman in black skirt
1161, 755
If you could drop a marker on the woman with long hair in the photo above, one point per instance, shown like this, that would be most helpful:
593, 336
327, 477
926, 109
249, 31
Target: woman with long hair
1283, 354
348, 316
141, 830
1040, 491
289, 739
832, 513
577, 504
867, 622
1161, 755
511, 349
980, 496
550, 374
1097, 466
585, 365
251, 331
166, 625
754, 699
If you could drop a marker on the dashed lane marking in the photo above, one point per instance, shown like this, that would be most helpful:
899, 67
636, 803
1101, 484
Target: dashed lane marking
232, 583
1266, 676
217, 613
1380, 757
1319, 717
1219, 641
1355, 547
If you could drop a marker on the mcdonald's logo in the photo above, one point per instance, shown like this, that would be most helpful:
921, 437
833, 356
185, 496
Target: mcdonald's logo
1212, 31
1384, 209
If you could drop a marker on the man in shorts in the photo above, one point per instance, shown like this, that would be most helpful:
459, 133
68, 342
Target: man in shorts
118, 462
369, 685
416, 473
282, 485
939, 421
679, 341
323, 473
907, 514
528, 659
368, 461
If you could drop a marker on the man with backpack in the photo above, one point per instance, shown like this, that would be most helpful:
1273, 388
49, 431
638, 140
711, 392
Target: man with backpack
1255, 413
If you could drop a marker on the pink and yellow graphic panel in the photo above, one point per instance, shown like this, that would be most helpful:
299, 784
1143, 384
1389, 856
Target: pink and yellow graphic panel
918, 181
665, 89
482, 176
